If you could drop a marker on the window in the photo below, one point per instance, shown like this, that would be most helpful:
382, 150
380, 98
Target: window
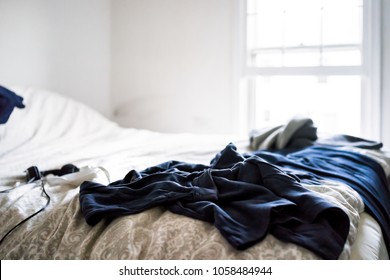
316, 58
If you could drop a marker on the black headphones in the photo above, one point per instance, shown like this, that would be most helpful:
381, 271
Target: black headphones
33, 173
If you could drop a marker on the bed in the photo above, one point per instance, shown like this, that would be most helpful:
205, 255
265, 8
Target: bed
48, 218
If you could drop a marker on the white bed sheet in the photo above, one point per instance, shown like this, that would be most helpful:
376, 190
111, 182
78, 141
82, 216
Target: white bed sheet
369, 244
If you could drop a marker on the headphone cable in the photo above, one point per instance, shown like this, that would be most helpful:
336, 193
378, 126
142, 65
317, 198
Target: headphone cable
31, 216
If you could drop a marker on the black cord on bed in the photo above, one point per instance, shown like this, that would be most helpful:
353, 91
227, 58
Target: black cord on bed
31, 216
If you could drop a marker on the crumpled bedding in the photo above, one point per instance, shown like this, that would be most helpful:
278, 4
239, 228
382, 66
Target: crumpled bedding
53, 131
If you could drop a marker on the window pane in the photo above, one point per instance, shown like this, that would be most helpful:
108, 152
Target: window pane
306, 32
302, 23
302, 57
342, 22
332, 102
269, 23
341, 56
270, 58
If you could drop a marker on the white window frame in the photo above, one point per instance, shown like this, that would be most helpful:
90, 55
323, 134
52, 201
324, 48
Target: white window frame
370, 70
371, 87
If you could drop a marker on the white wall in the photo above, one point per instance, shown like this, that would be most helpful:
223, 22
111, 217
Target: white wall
172, 64
59, 45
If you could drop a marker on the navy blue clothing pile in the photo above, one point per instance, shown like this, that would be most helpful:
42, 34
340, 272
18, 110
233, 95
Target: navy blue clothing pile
244, 196
360, 172
8, 101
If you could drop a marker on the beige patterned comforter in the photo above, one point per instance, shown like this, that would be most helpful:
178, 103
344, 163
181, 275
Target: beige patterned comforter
60, 232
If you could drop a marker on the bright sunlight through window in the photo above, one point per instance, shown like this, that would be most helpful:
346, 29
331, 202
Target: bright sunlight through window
304, 57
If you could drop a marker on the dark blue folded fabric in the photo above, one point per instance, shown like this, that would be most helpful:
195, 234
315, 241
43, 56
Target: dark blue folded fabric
244, 197
358, 171
8, 101
342, 140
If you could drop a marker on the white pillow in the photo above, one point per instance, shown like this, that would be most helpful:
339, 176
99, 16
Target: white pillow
48, 116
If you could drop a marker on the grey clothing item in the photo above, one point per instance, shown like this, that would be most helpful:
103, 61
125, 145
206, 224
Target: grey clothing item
297, 133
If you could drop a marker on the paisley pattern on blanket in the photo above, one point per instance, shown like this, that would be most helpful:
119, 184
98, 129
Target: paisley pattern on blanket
62, 233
